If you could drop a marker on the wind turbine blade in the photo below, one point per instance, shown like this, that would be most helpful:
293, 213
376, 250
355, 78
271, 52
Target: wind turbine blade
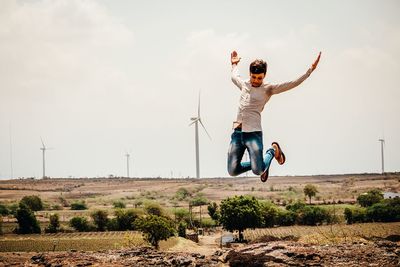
205, 129
42, 142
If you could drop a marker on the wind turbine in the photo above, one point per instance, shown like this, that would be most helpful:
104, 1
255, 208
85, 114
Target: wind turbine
44, 148
127, 164
382, 144
195, 121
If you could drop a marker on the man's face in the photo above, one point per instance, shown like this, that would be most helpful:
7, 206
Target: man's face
256, 79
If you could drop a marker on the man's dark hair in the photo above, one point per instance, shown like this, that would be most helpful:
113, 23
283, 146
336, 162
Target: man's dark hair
258, 66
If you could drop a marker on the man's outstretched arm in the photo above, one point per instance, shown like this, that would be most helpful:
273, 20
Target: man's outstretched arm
235, 59
280, 88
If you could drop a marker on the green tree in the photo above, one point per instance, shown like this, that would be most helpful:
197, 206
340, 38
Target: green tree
80, 224
310, 191
153, 208
155, 228
370, 198
119, 204
33, 202
27, 222
54, 224
100, 219
240, 213
125, 219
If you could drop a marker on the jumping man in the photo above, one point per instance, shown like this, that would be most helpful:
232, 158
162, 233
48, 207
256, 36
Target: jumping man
247, 132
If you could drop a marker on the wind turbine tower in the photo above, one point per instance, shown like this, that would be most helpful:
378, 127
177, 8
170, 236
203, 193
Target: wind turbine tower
196, 121
382, 156
127, 164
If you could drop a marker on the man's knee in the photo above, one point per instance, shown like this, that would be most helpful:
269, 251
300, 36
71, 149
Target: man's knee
232, 171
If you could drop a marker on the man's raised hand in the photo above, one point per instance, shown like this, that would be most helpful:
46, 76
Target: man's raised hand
235, 58
315, 64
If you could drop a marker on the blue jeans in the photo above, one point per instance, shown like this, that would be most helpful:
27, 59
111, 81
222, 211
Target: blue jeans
252, 141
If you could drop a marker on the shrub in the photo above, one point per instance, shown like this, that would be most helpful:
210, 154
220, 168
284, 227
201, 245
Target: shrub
80, 224
385, 211
32, 202
182, 193
182, 229
240, 213
269, 213
54, 224
79, 205
370, 198
296, 206
27, 222
4, 211
13, 208
153, 208
155, 228
100, 219
207, 223
119, 205
313, 216
199, 200
125, 219
285, 218
181, 214
112, 225
213, 211
355, 215
56, 207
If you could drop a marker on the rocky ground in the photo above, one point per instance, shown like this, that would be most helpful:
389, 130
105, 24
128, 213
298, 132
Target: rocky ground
275, 253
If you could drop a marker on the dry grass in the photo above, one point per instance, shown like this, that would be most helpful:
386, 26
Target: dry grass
88, 241
327, 234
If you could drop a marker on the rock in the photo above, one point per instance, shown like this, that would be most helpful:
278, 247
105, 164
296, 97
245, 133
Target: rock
38, 258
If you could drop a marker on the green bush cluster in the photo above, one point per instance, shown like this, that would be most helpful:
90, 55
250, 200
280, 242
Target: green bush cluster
387, 210
242, 212
79, 205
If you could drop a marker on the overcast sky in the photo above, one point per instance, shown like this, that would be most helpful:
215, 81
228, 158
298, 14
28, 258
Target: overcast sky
98, 79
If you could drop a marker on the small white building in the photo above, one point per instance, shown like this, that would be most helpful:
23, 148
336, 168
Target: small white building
387, 195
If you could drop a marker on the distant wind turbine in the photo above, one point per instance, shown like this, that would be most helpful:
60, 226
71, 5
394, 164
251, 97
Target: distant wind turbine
382, 157
195, 121
44, 148
127, 155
